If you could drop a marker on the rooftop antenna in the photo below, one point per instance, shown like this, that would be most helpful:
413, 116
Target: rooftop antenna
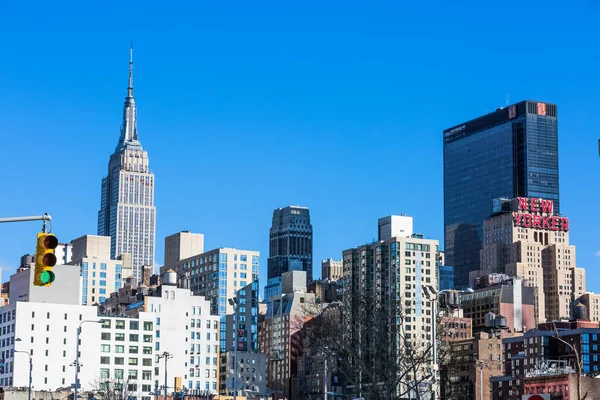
507, 98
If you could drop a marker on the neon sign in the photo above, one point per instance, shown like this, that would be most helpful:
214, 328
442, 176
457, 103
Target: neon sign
537, 214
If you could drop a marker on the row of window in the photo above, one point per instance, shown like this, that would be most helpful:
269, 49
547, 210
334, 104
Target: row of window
147, 362
120, 337
133, 324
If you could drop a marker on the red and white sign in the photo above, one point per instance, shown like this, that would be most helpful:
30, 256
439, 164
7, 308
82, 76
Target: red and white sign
537, 214
536, 397
512, 111
541, 108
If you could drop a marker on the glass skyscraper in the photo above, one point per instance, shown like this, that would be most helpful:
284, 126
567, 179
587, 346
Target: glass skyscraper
127, 213
512, 152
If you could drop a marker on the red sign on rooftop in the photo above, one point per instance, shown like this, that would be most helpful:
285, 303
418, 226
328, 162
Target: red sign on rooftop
537, 213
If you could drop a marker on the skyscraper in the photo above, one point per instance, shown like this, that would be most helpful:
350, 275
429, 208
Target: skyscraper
127, 213
511, 152
291, 242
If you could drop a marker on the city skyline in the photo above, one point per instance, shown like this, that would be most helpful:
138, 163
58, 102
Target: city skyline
254, 131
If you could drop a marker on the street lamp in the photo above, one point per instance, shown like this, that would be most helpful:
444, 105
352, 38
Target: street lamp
30, 366
101, 321
166, 355
234, 303
432, 294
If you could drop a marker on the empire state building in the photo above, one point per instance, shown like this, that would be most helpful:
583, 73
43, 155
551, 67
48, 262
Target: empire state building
127, 212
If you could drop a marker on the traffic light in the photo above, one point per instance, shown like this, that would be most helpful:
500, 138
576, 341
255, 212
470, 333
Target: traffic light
45, 259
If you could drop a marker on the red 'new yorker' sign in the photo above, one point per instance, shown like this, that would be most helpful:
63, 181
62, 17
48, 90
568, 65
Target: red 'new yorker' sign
537, 214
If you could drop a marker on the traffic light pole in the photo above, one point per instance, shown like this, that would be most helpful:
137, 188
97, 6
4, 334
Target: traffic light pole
44, 218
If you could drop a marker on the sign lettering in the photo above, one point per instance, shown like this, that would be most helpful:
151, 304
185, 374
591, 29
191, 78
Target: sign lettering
537, 213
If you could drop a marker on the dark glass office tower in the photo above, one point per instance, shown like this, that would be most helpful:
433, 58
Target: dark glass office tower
291, 242
512, 152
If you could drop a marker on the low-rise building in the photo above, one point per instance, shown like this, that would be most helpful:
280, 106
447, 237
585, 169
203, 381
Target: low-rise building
510, 299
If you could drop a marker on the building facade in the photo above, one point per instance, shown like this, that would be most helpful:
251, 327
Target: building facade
510, 299
472, 362
127, 213
182, 245
100, 275
218, 274
526, 238
280, 331
291, 242
332, 270
166, 319
511, 152
592, 302
48, 332
384, 290
550, 345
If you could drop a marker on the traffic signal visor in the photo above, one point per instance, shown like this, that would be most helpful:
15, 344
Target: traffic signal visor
45, 259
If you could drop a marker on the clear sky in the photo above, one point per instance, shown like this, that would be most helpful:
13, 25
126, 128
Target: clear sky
249, 106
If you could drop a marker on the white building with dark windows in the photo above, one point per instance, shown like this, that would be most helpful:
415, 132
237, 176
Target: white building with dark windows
100, 275
182, 326
127, 212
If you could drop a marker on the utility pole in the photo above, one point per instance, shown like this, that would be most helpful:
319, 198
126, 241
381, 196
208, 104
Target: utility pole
166, 355
76, 390
234, 302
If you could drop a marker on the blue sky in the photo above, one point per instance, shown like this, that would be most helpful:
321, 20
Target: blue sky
245, 107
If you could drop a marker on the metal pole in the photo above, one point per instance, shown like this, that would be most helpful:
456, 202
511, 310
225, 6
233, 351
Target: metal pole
434, 350
166, 355
235, 349
481, 381
44, 217
30, 370
77, 363
325, 380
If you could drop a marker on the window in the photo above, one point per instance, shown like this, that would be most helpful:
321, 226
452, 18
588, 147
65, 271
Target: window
104, 373
146, 375
106, 323
120, 324
118, 374
105, 336
207, 373
105, 348
134, 325
134, 337
119, 360
147, 362
119, 348
102, 283
133, 349
120, 337
132, 373
148, 338
146, 388
104, 360
133, 361
147, 350
147, 326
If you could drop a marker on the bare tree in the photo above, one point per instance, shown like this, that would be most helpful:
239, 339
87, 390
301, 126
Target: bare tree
578, 361
118, 388
372, 348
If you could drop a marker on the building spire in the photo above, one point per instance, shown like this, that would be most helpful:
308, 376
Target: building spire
130, 87
129, 136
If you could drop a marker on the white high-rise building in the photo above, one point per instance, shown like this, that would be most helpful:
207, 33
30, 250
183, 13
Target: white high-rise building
127, 213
